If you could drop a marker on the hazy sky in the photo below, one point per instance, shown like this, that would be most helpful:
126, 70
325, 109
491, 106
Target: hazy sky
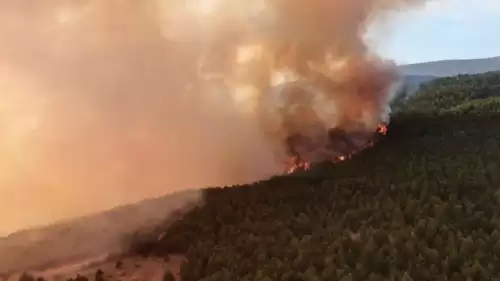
444, 29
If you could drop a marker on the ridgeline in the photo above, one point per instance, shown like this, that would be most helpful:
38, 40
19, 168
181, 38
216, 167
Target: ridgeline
423, 204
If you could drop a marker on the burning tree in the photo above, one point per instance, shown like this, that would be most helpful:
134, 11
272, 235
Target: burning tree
340, 146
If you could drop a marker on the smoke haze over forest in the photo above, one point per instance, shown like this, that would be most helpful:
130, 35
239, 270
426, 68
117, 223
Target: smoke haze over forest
100, 103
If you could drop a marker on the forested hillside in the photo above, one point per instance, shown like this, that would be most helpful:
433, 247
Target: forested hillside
462, 94
412, 83
422, 204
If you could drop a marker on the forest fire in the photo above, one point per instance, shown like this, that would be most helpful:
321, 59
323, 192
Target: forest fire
298, 164
382, 129
295, 69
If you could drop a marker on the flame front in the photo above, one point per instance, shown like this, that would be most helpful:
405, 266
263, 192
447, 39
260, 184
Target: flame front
382, 129
296, 164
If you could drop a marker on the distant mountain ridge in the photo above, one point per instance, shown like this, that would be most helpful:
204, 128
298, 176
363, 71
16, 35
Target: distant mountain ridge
445, 68
417, 74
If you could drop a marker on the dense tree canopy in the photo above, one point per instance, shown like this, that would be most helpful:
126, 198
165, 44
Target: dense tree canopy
423, 204
449, 93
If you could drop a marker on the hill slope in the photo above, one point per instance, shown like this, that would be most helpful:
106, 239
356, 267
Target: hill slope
411, 83
87, 237
453, 93
422, 73
452, 67
423, 204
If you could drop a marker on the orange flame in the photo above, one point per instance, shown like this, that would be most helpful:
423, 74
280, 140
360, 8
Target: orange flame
300, 165
382, 129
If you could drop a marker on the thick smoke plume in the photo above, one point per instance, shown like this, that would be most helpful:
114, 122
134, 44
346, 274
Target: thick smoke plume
107, 102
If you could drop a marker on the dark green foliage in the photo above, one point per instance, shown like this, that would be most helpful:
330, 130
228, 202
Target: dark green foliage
476, 94
423, 204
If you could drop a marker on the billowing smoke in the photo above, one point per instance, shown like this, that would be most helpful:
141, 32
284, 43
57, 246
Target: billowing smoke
300, 67
107, 102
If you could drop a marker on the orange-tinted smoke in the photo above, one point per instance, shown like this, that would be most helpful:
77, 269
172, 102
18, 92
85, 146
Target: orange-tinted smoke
338, 81
101, 102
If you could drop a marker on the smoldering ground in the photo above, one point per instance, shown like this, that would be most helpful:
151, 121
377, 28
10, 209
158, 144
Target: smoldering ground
108, 102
